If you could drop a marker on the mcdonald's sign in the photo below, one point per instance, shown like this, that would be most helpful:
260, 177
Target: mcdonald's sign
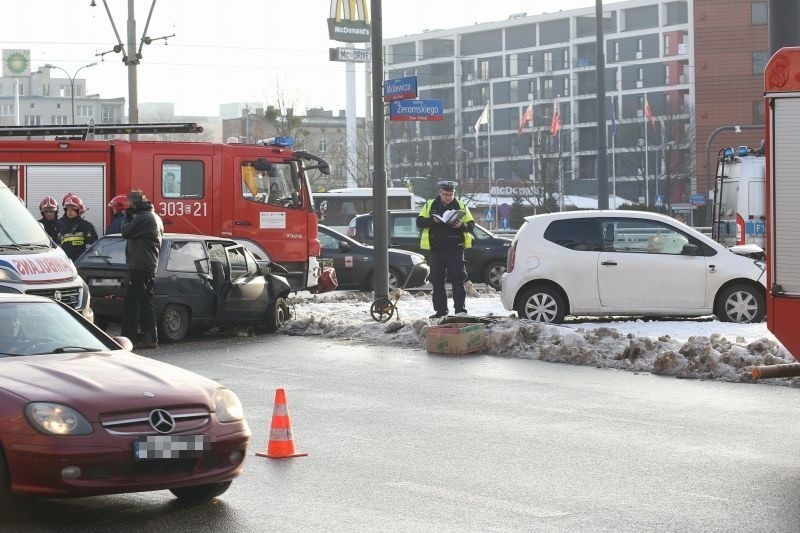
349, 21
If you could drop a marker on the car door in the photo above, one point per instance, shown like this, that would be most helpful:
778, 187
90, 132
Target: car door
642, 267
185, 278
247, 292
343, 260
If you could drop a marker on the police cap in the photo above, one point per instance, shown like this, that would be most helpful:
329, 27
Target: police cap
447, 185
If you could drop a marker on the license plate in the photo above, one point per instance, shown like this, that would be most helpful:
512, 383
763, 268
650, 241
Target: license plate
170, 447
105, 282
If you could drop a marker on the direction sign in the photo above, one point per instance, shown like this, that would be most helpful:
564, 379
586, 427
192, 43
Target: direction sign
699, 199
400, 89
355, 55
422, 110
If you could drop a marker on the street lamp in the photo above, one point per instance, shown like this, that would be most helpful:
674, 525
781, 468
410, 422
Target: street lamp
71, 83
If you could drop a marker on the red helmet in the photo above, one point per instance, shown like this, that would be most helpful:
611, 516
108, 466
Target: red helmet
48, 204
66, 197
73, 200
119, 203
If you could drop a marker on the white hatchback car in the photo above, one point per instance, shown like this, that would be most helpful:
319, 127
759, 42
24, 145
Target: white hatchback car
602, 263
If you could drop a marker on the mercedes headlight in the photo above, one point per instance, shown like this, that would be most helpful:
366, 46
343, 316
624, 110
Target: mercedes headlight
760, 264
56, 419
228, 406
417, 259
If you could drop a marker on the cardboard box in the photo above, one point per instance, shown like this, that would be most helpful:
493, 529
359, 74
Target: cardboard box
456, 339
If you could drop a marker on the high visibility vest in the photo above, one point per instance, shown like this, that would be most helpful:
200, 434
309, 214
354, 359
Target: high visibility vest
425, 239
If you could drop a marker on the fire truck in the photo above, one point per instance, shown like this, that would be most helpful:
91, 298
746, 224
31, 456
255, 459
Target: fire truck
256, 193
782, 93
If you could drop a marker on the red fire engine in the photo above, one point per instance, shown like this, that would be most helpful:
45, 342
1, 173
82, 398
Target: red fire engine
782, 93
257, 193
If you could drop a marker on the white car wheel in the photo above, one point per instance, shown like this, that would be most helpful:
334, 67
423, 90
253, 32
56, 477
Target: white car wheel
542, 304
740, 303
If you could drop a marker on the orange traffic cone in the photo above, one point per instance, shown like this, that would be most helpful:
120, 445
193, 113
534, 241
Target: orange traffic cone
281, 443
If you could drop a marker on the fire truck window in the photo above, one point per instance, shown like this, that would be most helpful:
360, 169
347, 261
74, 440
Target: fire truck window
267, 184
182, 179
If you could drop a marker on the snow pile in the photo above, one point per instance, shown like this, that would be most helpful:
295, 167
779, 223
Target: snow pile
687, 348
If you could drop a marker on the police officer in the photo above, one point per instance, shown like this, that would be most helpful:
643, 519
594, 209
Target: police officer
143, 230
75, 234
48, 207
446, 240
118, 205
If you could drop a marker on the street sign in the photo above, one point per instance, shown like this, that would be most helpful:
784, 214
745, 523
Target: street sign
699, 199
355, 55
400, 89
659, 200
416, 110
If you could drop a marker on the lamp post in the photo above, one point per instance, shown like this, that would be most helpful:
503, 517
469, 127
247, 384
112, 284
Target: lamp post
71, 83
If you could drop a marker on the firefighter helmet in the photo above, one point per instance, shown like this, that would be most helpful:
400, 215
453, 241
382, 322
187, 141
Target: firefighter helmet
119, 203
66, 197
48, 203
74, 201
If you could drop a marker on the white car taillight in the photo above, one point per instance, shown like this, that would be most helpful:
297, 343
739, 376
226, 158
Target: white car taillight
512, 254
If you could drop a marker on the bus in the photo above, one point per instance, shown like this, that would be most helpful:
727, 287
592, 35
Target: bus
739, 215
337, 207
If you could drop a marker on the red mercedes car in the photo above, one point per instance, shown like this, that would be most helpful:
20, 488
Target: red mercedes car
80, 415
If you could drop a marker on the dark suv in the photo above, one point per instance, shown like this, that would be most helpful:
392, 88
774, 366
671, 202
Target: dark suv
200, 281
486, 259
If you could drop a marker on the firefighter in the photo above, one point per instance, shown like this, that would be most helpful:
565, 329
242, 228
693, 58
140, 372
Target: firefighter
75, 234
48, 207
118, 205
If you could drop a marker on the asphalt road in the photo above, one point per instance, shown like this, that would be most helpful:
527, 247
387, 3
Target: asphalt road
402, 440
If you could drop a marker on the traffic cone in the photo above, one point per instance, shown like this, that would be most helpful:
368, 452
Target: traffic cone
281, 443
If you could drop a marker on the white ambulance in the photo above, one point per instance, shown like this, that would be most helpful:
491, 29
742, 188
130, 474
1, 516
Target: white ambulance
31, 263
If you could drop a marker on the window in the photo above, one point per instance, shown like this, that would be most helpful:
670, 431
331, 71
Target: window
666, 44
405, 226
108, 251
548, 61
33, 106
33, 120
760, 62
565, 59
268, 183
642, 236
667, 81
582, 234
323, 145
7, 110
84, 111
327, 242
188, 257
547, 88
758, 112
59, 120
182, 179
108, 114
759, 13
45, 89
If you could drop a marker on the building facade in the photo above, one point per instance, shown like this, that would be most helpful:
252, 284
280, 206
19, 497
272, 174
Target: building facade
651, 82
42, 98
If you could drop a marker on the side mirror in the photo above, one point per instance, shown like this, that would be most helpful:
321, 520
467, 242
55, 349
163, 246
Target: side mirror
344, 246
124, 342
323, 207
690, 249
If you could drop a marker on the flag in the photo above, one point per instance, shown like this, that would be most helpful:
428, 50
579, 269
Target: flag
648, 112
613, 116
527, 116
555, 122
483, 119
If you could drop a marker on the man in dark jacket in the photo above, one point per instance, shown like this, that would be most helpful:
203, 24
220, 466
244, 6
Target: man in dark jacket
143, 229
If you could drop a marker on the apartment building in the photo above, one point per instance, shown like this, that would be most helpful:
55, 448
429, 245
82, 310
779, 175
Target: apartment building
547, 60
43, 98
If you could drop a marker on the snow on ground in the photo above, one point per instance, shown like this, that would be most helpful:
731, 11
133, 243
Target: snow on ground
699, 348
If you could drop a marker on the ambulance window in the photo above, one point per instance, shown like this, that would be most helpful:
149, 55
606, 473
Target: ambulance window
182, 179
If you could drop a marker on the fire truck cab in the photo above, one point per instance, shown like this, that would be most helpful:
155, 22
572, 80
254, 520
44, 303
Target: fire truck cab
257, 193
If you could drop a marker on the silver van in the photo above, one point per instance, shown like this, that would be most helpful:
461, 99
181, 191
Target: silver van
31, 263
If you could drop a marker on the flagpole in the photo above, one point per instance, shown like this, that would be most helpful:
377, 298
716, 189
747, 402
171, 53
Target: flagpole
646, 164
560, 170
613, 150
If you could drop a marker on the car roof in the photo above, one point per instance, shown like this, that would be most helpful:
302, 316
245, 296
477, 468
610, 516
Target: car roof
188, 236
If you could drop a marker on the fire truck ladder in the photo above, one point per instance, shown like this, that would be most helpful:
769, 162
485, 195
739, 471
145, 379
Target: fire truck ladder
86, 130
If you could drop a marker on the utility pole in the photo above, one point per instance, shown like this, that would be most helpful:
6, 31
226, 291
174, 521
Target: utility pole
132, 57
602, 168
